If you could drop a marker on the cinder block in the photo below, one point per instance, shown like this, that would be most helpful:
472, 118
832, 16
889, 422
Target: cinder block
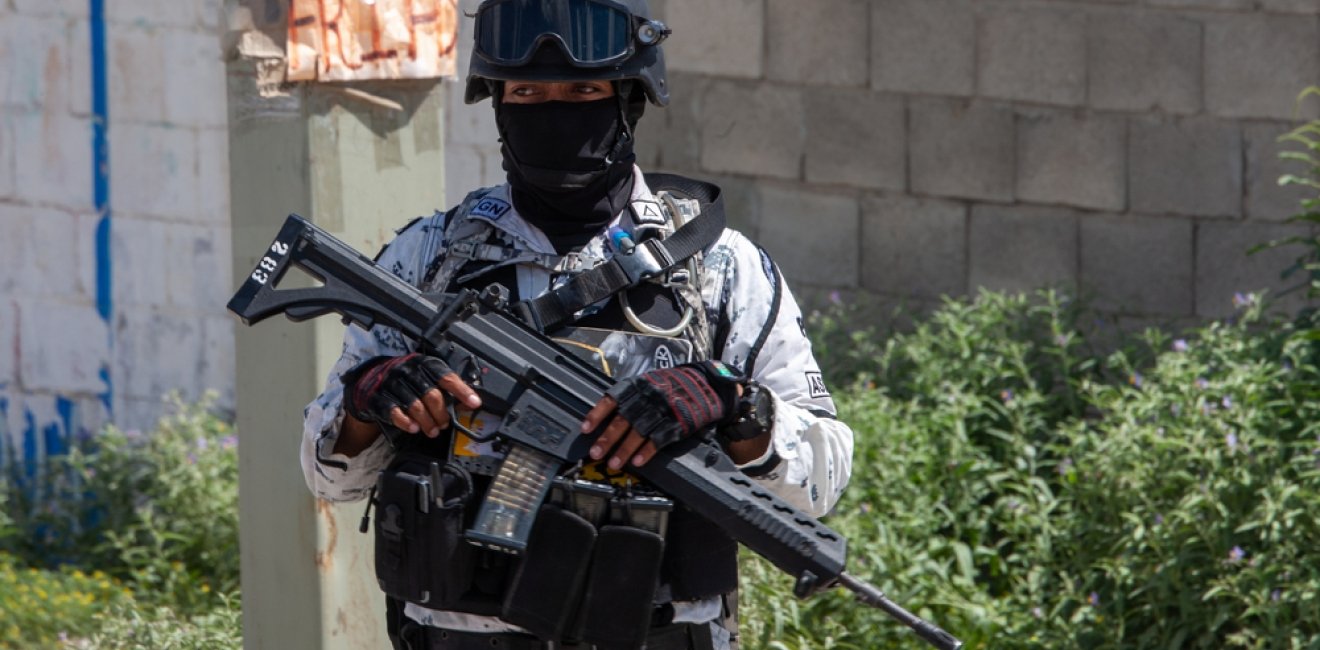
213, 176
218, 355
1138, 265
1164, 48
1022, 248
923, 46
1255, 65
1202, 4
48, 268
1070, 159
80, 68
1266, 200
55, 8
1291, 6
63, 347
1036, 55
8, 159
135, 71
913, 247
8, 344
742, 204
856, 137
1224, 270
674, 132
197, 263
84, 242
159, 13
819, 42
138, 251
54, 159
194, 79
143, 334
813, 237
35, 56
153, 170
725, 38
1191, 167
961, 149
752, 129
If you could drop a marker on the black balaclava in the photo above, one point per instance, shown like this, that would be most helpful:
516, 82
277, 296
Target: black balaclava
569, 164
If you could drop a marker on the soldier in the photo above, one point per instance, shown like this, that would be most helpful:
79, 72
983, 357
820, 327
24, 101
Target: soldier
715, 341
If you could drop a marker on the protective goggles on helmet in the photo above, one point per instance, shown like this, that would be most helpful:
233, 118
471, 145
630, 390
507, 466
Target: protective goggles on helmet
592, 33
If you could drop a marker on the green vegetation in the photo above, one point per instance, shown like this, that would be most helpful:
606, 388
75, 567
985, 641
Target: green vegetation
151, 523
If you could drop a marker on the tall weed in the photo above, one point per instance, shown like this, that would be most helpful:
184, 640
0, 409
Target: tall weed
1026, 491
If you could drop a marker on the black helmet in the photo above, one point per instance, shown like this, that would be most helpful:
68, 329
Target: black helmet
599, 40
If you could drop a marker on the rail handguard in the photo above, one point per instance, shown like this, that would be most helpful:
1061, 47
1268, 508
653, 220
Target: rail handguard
542, 392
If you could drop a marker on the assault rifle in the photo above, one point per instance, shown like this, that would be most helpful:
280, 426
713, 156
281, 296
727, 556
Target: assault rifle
542, 392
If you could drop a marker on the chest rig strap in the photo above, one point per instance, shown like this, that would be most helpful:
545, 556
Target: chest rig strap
644, 261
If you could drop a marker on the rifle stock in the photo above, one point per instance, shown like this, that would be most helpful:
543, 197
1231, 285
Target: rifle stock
542, 392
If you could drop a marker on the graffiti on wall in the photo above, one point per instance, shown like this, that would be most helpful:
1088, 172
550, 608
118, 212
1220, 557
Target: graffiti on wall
35, 427
346, 40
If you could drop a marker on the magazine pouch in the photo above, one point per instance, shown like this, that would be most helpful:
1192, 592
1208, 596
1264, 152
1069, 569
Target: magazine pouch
420, 553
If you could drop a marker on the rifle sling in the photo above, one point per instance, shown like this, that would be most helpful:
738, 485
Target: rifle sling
557, 308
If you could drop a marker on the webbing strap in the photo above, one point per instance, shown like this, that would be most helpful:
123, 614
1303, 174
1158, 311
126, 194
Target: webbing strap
648, 259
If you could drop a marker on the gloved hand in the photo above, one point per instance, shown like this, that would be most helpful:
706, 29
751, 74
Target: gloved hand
404, 392
661, 407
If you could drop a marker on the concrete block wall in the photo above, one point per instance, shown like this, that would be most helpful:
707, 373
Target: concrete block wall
916, 148
73, 356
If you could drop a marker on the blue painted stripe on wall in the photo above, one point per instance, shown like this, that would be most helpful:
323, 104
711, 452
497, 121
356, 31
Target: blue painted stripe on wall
101, 183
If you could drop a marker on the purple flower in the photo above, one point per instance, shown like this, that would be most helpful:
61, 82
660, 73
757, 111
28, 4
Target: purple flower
1006, 396
835, 298
1093, 599
1180, 345
1038, 613
1227, 402
1232, 441
1065, 465
203, 443
1241, 300
1275, 595
1202, 383
229, 442
865, 508
1236, 554
1159, 519
1136, 379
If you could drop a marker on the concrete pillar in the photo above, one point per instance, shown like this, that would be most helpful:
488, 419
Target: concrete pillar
359, 170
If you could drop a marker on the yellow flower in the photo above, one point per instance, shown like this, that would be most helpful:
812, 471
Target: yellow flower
206, 589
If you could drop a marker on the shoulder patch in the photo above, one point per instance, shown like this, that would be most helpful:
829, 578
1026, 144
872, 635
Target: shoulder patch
816, 385
491, 208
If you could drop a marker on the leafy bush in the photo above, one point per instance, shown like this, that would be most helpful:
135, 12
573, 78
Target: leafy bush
1026, 492
39, 608
156, 514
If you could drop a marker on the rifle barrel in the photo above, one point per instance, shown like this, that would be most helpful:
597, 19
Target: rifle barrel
871, 595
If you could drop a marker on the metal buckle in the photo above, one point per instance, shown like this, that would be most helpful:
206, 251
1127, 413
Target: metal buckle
644, 261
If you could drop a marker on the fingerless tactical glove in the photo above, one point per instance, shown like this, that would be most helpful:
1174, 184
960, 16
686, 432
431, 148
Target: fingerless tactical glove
670, 404
374, 387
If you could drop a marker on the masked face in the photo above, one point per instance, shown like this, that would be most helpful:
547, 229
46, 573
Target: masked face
568, 161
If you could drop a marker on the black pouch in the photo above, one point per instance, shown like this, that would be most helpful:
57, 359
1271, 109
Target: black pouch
548, 584
625, 570
420, 553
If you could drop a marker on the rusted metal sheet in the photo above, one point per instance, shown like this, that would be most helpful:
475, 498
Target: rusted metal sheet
349, 40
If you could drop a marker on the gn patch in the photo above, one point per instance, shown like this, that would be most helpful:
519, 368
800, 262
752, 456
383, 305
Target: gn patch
491, 208
816, 385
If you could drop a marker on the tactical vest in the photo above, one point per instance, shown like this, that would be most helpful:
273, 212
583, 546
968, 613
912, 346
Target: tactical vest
699, 560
